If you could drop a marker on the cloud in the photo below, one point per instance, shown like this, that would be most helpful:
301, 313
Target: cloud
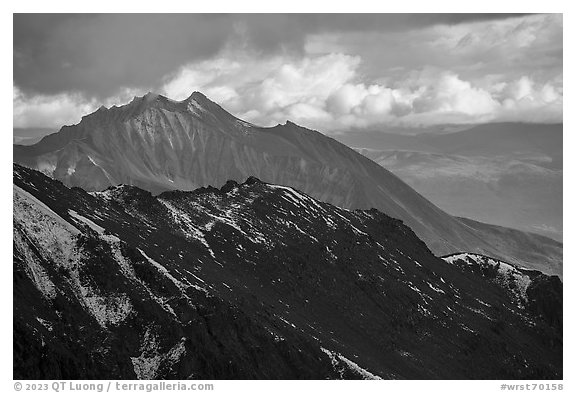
54, 111
99, 54
327, 92
48, 111
536, 103
530, 45
275, 87
447, 93
329, 72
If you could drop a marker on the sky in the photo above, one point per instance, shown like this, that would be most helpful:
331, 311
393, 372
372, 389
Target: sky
331, 72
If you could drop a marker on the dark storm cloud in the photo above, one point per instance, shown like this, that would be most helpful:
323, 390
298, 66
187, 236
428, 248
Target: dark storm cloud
98, 54
280, 30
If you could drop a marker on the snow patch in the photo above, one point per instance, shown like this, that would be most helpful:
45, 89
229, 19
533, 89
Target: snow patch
146, 365
435, 288
33, 268
190, 230
27, 206
86, 221
45, 323
108, 310
164, 271
507, 275
340, 363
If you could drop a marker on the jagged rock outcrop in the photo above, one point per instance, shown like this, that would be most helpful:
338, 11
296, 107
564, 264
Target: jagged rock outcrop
254, 280
159, 144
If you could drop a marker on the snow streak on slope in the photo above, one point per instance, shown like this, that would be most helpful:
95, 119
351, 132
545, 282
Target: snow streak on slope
340, 363
86, 221
505, 274
137, 294
188, 227
56, 241
160, 144
147, 365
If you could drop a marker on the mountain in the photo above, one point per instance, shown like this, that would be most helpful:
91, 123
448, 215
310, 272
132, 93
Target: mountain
506, 174
536, 292
486, 140
524, 193
159, 144
25, 141
30, 135
257, 280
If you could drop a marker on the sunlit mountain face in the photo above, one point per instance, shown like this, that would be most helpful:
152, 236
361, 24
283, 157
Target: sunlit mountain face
298, 196
159, 144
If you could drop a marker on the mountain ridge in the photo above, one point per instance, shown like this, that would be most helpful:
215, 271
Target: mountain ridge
166, 144
254, 280
505, 174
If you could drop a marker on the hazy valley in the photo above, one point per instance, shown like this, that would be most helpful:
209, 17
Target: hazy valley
504, 174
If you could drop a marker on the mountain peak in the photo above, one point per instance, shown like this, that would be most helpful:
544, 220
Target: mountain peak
252, 180
197, 103
143, 101
200, 101
201, 106
150, 96
198, 96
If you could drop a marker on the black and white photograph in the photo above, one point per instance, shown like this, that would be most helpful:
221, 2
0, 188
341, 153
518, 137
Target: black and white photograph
287, 196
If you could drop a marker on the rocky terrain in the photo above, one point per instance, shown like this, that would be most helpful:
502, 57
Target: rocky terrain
159, 144
257, 280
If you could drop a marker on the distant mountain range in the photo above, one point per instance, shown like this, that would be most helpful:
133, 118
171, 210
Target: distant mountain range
485, 140
257, 280
29, 136
506, 174
159, 144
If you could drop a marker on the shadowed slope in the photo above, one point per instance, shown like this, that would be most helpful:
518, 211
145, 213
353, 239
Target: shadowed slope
159, 144
255, 280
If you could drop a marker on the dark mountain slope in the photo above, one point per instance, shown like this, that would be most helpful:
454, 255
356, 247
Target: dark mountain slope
159, 144
252, 281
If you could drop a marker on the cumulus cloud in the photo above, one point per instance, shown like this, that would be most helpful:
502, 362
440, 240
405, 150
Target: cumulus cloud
537, 103
96, 54
327, 92
327, 72
266, 90
48, 111
54, 111
528, 45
